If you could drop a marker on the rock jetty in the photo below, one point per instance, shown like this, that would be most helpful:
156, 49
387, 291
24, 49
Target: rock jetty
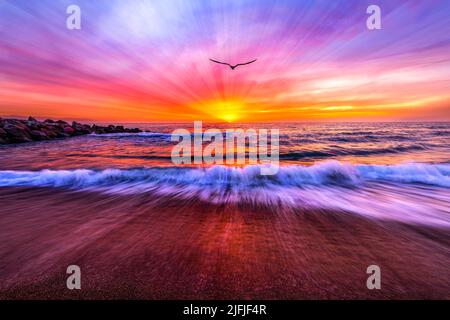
20, 131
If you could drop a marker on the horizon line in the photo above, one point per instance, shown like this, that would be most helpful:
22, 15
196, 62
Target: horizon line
217, 122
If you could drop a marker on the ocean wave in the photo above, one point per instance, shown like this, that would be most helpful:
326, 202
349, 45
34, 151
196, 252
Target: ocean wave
323, 173
131, 135
334, 151
368, 138
409, 192
120, 156
441, 133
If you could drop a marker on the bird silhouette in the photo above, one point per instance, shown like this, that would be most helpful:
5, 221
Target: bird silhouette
235, 66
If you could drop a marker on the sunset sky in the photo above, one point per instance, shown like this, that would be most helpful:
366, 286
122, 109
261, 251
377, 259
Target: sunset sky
148, 60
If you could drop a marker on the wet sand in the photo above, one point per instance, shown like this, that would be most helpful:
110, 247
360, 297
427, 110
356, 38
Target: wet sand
143, 247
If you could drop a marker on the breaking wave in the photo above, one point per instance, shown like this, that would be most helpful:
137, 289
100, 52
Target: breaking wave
321, 174
411, 192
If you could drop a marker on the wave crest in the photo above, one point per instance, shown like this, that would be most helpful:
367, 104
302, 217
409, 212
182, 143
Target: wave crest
388, 192
321, 174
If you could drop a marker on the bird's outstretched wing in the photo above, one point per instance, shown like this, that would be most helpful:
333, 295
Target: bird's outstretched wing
227, 64
243, 64
233, 67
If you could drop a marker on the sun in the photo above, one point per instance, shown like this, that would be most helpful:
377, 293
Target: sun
230, 117
227, 110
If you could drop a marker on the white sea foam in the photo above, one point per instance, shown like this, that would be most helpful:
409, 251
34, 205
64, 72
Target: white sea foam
410, 192
325, 173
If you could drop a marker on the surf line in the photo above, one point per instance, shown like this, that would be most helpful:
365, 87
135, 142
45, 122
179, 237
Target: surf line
190, 147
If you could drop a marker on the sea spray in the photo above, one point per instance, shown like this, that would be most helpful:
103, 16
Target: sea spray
410, 192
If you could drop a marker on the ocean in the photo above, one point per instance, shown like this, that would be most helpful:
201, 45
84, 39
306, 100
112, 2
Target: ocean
398, 171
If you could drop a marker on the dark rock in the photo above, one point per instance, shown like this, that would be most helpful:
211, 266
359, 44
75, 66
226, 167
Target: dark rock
32, 124
38, 135
3, 136
69, 130
99, 129
62, 123
87, 128
18, 131
78, 127
110, 129
82, 128
63, 135
49, 133
14, 122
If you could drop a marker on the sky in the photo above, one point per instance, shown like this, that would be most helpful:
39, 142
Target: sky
148, 60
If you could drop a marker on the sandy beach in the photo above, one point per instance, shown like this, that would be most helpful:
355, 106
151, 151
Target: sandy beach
145, 247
